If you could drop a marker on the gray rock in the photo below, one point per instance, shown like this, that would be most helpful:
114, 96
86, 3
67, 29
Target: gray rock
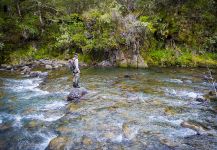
56, 66
58, 143
188, 81
9, 67
48, 67
200, 99
43, 75
46, 62
34, 74
4, 65
198, 127
105, 63
39, 74
76, 94
26, 70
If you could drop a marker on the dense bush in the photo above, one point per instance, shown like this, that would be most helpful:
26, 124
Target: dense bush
165, 32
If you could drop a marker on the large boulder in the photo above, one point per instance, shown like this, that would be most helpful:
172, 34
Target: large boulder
76, 94
121, 59
138, 62
129, 60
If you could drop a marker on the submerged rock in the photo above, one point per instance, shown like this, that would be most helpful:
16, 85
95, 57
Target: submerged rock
72, 107
76, 94
211, 96
130, 129
58, 143
86, 140
173, 110
198, 127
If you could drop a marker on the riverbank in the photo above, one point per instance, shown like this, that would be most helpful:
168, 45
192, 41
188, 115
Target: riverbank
148, 60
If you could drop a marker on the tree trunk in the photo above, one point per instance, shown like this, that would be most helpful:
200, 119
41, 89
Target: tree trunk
40, 18
18, 8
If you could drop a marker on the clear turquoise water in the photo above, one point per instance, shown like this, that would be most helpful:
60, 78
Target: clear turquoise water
141, 111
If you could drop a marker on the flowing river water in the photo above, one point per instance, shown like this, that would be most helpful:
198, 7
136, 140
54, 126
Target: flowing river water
124, 109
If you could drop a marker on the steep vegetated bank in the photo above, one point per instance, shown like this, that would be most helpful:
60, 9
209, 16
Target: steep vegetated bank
125, 32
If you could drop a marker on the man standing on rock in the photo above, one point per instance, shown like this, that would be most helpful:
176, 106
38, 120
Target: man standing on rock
74, 67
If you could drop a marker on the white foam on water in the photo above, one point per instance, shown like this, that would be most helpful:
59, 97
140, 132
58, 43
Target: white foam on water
44, 118
47, 138
53, 118
25, 85
170, 92
182, 132
55, 105
118, 138
189, 94
182, 93
18, 119
164, 119
15, 118
175, 81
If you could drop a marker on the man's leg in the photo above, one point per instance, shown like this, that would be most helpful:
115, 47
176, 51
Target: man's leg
74, 80
77, 78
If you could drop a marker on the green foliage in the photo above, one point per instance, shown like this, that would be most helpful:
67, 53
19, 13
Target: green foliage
30, 25
211, 43
185, 59
160, 30
162, 57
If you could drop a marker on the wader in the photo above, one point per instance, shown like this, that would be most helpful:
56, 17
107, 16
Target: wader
76, 78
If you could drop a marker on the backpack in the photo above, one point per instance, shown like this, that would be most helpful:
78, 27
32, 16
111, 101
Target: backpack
72, 65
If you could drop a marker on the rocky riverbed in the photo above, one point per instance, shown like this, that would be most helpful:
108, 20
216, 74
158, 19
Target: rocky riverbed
154, 109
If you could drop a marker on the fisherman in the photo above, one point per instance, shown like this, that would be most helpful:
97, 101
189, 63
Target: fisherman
74, 67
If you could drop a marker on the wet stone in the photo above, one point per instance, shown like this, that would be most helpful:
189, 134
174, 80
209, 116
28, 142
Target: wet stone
76, 94
63, 130
58, 143
170, 110
87, 141
72, 107
33, 125
198, 127
130, 129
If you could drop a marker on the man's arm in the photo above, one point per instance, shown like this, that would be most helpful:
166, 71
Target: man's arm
77, 66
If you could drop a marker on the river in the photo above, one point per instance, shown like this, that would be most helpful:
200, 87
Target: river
124, 109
